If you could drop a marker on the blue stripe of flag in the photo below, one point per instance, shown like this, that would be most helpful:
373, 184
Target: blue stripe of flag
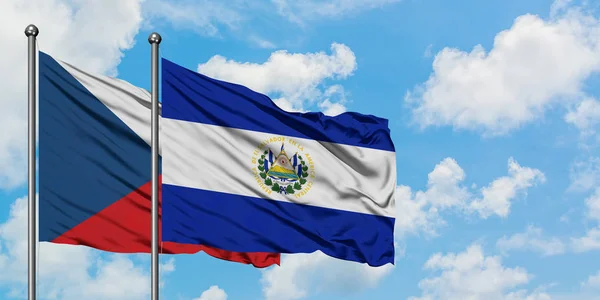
190, 96
247, 224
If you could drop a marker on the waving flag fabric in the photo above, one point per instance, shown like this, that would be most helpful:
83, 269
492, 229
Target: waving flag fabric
95, 167
243, 175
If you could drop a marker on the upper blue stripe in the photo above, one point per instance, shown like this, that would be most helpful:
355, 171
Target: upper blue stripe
247, 224
88, 157
190, 96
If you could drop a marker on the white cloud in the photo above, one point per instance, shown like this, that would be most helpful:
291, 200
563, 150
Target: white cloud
592, 204
331, 109
588, 291
532, 66
532, 239
589, 242
559, 6
445, 191
525, 295
414, 214
593, 282
217, 18
261, 42
168, 266
201, 16
213, 293
75, 31
295, 77
472, 275
335, 99
303, 274
420, 212
585, 174
586, 116
66, 271
428, 51
301, 11
210, 17
498, 195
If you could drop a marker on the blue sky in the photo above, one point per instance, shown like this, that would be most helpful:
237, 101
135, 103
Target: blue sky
493, 109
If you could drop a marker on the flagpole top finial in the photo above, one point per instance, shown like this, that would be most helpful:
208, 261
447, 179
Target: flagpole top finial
31, 30
154, 38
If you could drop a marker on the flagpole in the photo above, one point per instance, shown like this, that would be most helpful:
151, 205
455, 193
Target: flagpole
154, 39
31, 32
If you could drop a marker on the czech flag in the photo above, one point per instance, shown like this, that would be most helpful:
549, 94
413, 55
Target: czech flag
95, 166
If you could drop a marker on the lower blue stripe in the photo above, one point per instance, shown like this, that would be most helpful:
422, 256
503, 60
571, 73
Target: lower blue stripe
248, 224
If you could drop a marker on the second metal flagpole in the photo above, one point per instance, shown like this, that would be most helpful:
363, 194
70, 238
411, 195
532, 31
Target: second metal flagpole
154, 39
31, 32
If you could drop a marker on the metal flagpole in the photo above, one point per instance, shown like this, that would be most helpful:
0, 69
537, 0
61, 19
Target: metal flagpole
154, 39
31, 32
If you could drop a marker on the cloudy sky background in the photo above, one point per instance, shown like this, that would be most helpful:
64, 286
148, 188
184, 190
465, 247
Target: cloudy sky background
493, 107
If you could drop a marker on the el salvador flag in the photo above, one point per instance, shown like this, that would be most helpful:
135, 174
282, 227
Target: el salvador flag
218, 138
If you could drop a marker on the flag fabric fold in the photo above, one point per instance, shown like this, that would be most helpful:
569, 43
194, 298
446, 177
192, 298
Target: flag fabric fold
267, 180
94, 166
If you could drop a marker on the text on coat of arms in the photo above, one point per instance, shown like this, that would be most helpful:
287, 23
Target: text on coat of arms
280, 172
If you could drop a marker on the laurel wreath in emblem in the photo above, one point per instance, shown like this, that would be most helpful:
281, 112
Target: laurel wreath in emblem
278, 187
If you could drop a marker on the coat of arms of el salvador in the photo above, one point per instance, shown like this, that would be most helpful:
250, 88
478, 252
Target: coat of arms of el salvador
280, 172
